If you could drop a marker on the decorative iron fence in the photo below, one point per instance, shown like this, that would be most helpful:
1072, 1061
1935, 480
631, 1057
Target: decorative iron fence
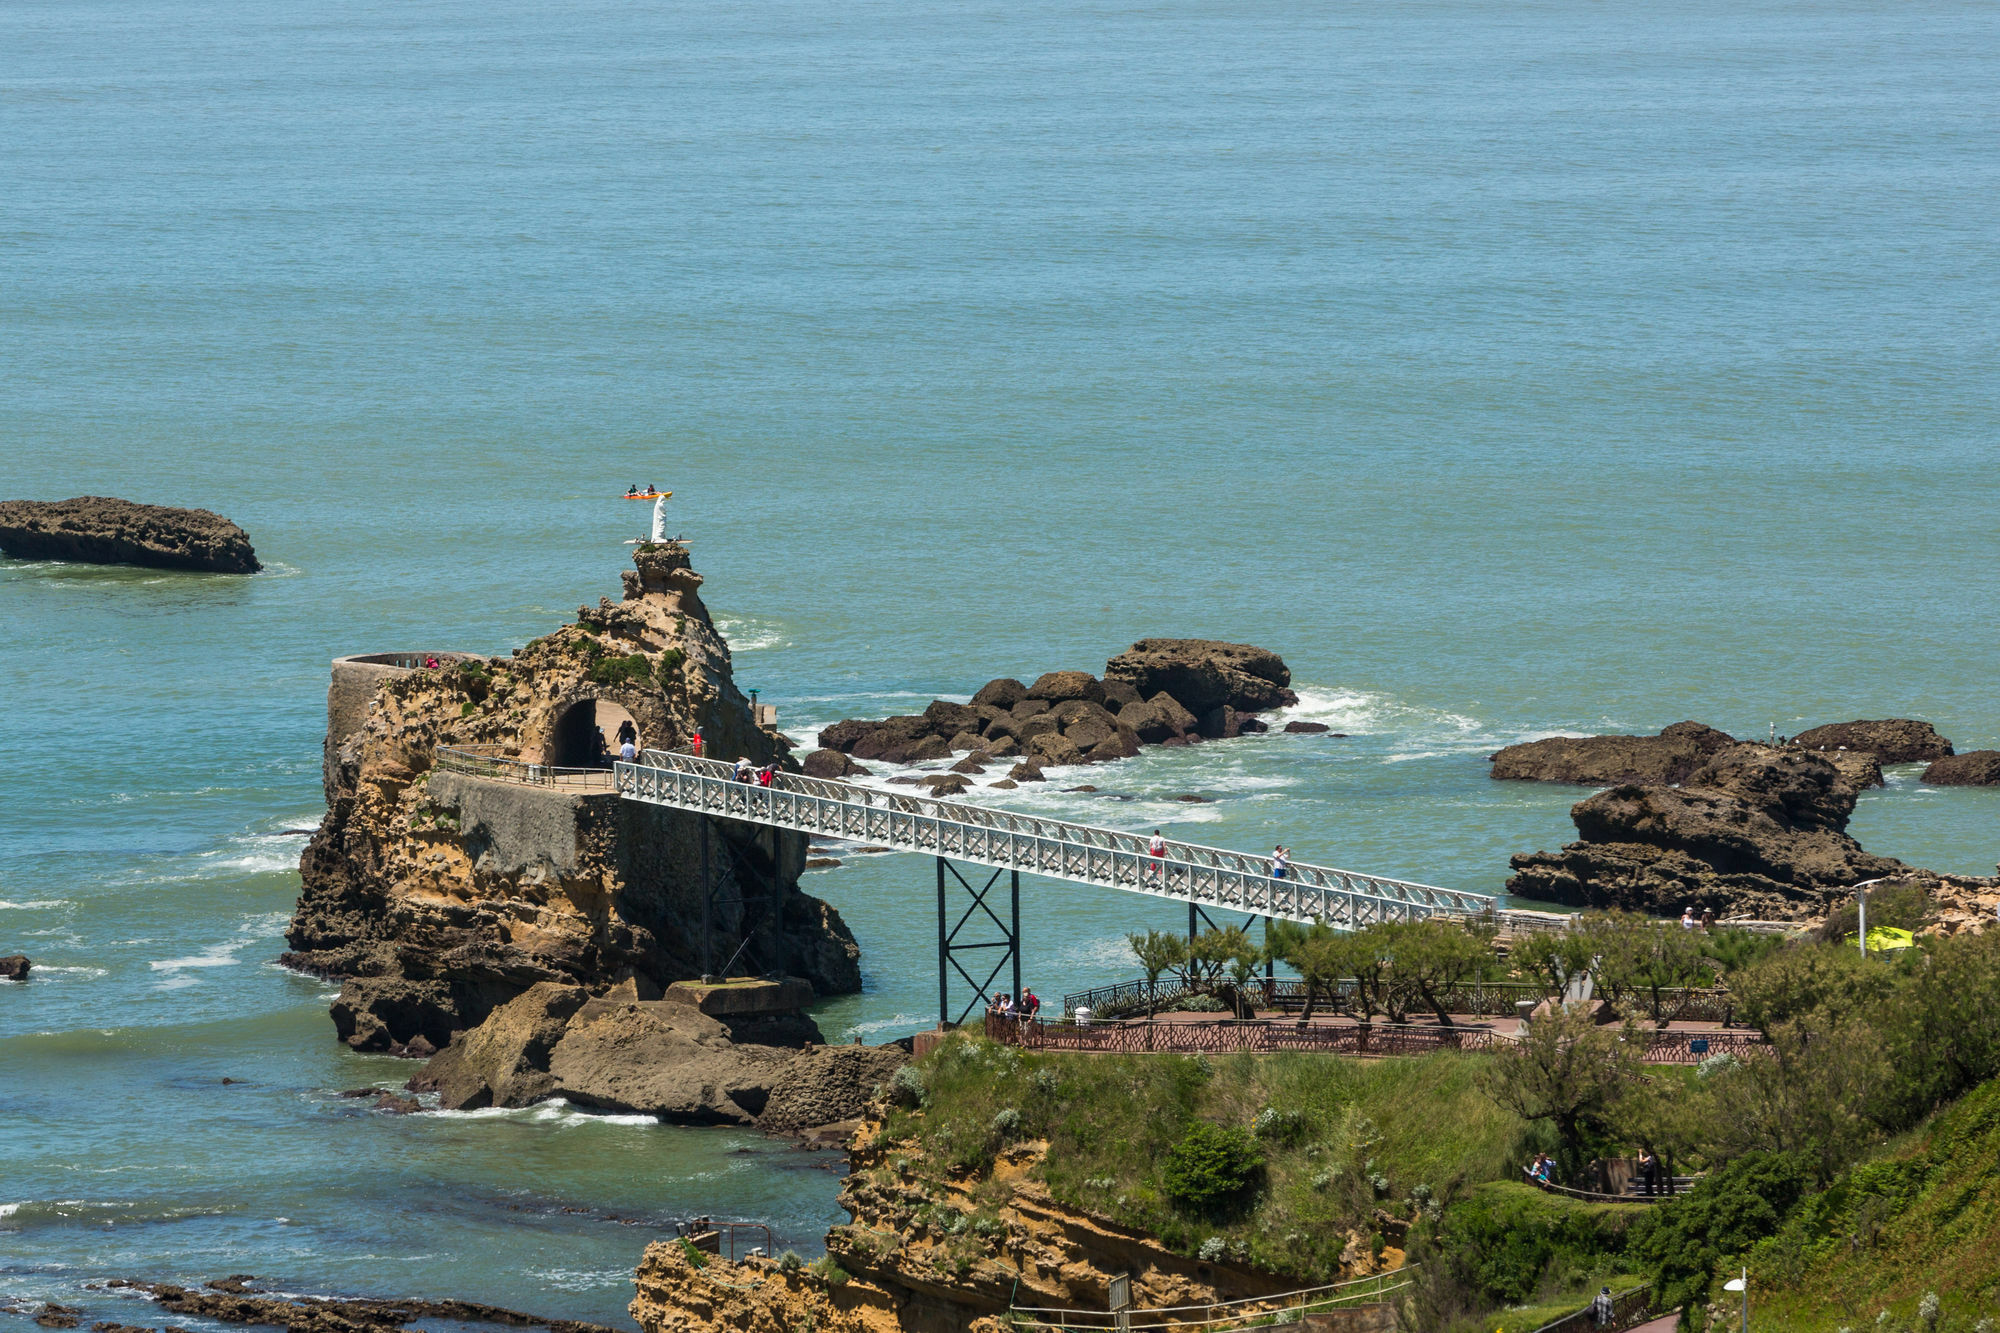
1219, 1316
490, 761
1489, 999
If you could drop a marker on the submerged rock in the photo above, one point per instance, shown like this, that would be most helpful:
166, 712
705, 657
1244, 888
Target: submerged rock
1607, 761
99, 530
1896, 740
14, 967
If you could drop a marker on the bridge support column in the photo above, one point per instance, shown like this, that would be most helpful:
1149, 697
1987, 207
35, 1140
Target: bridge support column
1196, 920
950, 945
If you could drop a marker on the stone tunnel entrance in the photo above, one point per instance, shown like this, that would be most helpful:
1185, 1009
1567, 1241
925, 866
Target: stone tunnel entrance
586, 735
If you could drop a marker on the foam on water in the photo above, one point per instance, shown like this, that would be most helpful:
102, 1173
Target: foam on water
37, 904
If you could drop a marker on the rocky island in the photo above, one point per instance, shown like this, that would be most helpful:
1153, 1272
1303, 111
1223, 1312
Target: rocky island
98, 530
533, 931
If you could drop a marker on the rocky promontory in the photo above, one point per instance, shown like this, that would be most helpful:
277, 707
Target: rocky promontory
1974, 768
1757, 830
1895, 740
738, 1052
98, 530
439, 894
1606, 761
1157, 692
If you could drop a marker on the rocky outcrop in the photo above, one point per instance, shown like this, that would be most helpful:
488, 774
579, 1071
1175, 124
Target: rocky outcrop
920, 1258
692, 1057
1607, 761
1896, 740
831, 764
98, 530
1158, 692
1974, 768
232, 1301
1756, 831
439, 894
14, 967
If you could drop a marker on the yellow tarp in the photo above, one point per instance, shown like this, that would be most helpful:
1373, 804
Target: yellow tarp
1885, 938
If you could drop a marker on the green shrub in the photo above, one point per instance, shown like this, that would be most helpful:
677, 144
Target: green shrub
1278, 1126
621, 670
790, 1261
667, 670
1684, 1242
1516, 1239
831, 1273
907, 1088
1212, 1168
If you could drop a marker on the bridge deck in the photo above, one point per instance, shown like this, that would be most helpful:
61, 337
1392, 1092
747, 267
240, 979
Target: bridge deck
1054, 848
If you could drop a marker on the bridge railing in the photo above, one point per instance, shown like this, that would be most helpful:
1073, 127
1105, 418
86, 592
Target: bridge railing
1213, 876
490, 761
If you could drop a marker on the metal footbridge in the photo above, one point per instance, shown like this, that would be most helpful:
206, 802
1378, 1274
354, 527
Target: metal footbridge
1203, 877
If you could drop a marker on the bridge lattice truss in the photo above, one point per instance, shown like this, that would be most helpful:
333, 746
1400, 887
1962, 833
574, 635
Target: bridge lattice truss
1057, 849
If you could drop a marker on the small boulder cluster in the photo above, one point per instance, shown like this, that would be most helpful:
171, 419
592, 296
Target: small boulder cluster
1158, 692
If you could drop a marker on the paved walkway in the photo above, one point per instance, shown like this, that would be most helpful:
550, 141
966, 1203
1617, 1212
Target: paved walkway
1664, 1324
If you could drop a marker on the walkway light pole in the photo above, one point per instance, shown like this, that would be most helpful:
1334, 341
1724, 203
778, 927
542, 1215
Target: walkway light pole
1741, 1284
1863, 887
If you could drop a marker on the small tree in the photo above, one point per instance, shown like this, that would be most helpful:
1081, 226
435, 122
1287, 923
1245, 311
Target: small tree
1567, 1070
1428, 959
1215, 953
1318, 953
1159, 952
1212, 1168
1646, 961
1551, 959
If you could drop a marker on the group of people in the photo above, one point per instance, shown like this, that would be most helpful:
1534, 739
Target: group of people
1541, 1171
634, 492
1027, 1009
749, 773
1689, 921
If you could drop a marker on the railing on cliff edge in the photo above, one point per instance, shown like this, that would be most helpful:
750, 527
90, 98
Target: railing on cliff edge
1060, 849
1226, 1036
491, 761
1479, 999
1218, 1316
1629, 1308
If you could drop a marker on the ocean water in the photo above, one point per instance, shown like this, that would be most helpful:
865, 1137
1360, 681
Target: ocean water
1511, 370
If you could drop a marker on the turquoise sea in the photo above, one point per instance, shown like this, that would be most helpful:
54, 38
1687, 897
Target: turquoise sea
1510, 369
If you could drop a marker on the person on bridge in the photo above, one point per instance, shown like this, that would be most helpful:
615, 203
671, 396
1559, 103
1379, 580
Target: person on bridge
766, 773
1281, 861
743, 769
628, 750
1156, 847
696, 742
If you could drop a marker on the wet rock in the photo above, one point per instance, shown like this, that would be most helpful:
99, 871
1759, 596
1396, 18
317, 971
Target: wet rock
1607, 761
1896, 740
822, 862
1204, 674
52, 1315
1307, 729
14, 967
505, 1060
831, 764
1002, 693
671, 1061
1026, 771
947, 784
1974, 768
1191, 799
1085, 788
886, 740
1118, 693
1121, 744
922, 751
1250, 724
966, 741
948, 719
1221, 724
1157, 720
825, 1084
1858, 768
970, 766
98, 530
231, 1302
1022, 730
1053, 749
1756, 831
1029, 707
1057, 686
1004, 784
391, 1104
1002, 747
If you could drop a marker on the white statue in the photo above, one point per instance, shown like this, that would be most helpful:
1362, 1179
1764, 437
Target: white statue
660, 518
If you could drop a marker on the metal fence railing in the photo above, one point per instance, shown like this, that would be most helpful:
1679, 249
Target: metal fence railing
1060, 849
1628, 1308
1218, 1316
491, 761
1478, 999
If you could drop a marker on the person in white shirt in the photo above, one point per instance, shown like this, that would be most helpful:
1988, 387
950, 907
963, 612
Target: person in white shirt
1156, 847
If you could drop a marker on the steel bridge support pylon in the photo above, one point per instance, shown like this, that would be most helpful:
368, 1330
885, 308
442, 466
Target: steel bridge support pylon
950, 946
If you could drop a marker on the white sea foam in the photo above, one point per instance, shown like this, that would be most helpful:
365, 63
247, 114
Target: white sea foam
555, 1112
894, 1023
78, 970
34, 904
223, 955
748, 634
9, 1209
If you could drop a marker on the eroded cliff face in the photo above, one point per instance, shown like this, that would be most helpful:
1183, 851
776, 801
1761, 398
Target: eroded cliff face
438, 895
922, 1256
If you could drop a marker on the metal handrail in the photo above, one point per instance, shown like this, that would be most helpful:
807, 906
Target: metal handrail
1300, 1301
491, 761
1056, 848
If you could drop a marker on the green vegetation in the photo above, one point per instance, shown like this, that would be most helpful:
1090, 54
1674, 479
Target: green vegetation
1337, 1140
668, 669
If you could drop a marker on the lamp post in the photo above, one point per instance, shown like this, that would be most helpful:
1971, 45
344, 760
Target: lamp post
1741, 1284
1862, 888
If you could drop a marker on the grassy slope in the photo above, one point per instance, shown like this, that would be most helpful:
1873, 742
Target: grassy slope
1921, 1215
1355, 1136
